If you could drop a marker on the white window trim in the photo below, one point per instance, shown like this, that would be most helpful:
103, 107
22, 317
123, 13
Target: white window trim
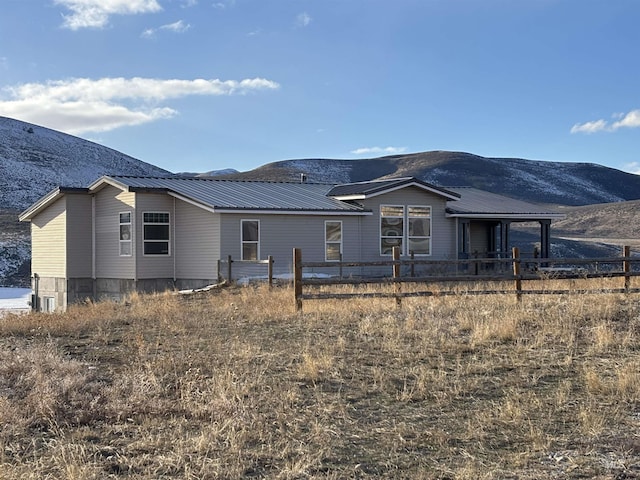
416, 236
327, 242
130, 240
242, 241
405, 229
168, 240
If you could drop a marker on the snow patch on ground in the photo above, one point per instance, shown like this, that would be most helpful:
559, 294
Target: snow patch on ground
14, 299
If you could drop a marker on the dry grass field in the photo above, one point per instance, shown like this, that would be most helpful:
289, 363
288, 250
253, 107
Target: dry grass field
234, 384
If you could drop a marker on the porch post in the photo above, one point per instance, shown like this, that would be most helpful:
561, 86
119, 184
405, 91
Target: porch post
545, 238
504, 237
464, 237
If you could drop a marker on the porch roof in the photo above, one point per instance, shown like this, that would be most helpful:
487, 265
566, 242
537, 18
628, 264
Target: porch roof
474, 203
362, 190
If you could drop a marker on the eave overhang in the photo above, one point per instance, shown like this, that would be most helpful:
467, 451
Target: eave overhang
508, 216
47, 200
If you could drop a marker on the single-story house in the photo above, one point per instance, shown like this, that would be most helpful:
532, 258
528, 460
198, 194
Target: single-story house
124, 234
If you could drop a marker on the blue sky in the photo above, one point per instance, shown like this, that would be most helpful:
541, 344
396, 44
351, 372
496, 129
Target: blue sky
198, 85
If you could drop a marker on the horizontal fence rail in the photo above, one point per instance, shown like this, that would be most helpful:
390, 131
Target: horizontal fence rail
227, 272
514, 271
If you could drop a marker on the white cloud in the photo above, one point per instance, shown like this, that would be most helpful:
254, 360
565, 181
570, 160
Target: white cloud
176, 27
589, 127
96, 13
379, 150
84, 105
224, 4
630, 120
148, 33
624, 120
303, 20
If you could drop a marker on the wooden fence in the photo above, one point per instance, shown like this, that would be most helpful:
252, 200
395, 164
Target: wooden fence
513, 270
226, 268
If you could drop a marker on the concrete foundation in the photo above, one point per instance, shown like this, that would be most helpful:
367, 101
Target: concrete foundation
55, 293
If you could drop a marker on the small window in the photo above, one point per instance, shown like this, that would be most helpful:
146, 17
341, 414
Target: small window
125, 234
250, 239
391, 228
333, 241
49, 304
156, 233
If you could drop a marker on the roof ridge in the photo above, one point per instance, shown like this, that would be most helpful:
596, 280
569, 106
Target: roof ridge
215, 179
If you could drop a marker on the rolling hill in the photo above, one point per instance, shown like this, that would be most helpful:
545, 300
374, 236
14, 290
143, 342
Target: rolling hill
34, 160
560, 183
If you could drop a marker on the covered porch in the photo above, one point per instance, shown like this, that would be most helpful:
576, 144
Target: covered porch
484, 222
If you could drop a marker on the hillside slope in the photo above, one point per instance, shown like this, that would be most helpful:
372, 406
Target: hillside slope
535, 181
34, 160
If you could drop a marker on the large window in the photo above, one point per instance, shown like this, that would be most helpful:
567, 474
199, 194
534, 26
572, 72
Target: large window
419, 234
250, 239
156, 233
332, 240
125, 234
391, 228
407, 227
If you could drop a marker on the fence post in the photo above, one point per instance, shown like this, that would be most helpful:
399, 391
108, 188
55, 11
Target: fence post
270, 270
396, 275
413, 265
340, 267
297, 278
626, 267
229, 262
516, 271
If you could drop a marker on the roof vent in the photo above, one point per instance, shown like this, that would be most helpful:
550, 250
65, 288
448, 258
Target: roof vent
303, 178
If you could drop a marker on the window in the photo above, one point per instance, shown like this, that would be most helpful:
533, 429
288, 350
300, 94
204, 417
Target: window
156, 233
250, 239
332, 241
125, 234
407, 227
419, 235
49, 304
391, 228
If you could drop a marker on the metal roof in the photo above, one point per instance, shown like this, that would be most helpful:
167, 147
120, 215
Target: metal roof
239, 195
372, 188
479, 203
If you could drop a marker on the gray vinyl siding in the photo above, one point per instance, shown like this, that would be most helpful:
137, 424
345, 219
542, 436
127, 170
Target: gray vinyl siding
196, 243
280, 234
79, 237
155, 266
443, 229
49, 241
109, 203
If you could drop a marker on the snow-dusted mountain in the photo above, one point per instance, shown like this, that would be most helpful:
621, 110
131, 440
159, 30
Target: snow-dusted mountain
564, 183
34, 160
